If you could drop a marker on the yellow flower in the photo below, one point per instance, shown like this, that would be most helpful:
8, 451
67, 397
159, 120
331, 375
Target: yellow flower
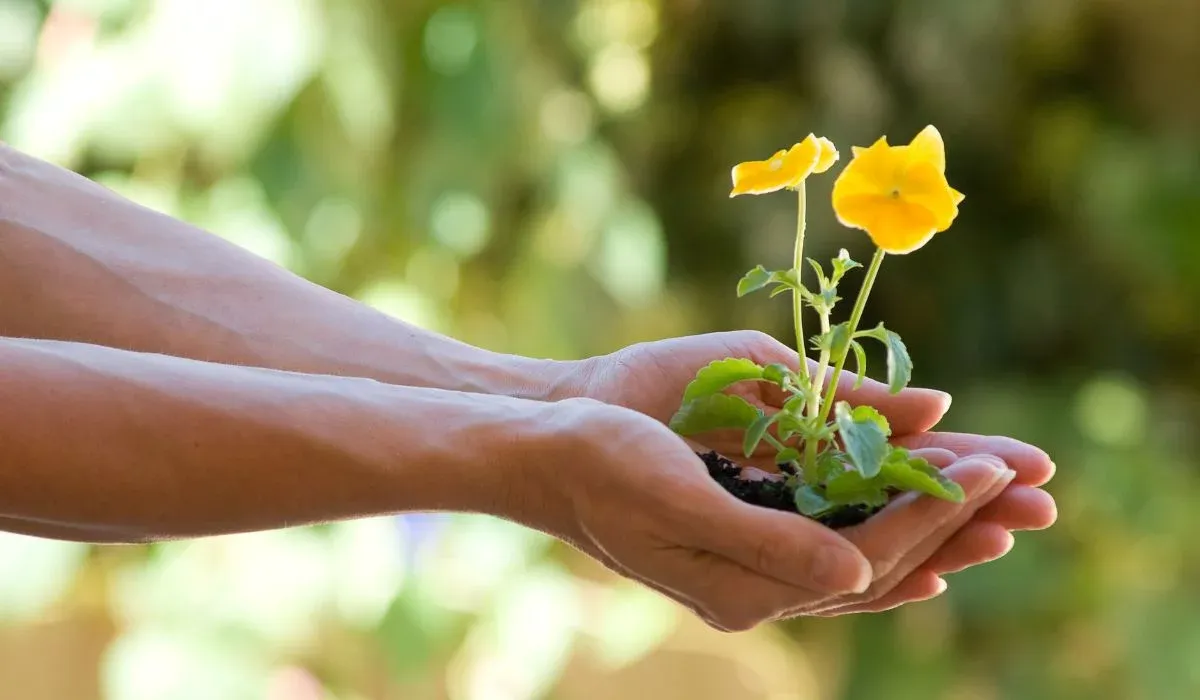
898, 194
785, 168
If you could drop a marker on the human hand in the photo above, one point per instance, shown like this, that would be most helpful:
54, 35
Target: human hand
650, 378
630, 493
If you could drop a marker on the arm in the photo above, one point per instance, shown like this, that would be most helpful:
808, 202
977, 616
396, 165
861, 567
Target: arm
102, 444
108, 445
127, 277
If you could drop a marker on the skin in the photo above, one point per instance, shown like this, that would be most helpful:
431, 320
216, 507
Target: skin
207, 391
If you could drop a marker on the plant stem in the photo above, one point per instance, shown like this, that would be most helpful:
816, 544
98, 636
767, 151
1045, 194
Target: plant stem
855, 317
810, 446
798, 264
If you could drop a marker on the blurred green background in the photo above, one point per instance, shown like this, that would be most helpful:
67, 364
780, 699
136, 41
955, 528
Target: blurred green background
550, 177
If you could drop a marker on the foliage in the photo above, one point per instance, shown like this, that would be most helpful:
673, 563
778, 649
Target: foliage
900, 197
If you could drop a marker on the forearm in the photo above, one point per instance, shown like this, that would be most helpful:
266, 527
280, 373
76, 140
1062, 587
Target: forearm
79, 263
107, 445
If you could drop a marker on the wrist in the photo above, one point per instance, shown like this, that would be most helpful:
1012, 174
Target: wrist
528, 378
545, 447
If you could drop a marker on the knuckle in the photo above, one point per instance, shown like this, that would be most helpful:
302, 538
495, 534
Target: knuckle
767, 555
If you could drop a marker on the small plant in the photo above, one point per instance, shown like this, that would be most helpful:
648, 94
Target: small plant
839, 466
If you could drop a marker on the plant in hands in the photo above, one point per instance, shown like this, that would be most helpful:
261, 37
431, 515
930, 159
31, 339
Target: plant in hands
839, 466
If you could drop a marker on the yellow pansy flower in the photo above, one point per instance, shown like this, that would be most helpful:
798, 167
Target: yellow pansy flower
898, 194
784, 169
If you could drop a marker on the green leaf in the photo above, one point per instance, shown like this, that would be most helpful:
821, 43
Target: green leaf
860, 363
899, 364
865, 413
909, 473
776, 373
811, 503
820, 273
754, 434
754, 280
830, 464
834, 340
788, 454
719, 375
785, 288
795, 405
852, 488
843, 264
714, 412
864, 435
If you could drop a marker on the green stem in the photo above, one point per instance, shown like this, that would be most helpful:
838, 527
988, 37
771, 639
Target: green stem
855, 317
774, 442
810, 446
798, 264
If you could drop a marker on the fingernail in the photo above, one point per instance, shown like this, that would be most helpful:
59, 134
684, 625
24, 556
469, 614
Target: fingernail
941, 586
840, 570
999, 472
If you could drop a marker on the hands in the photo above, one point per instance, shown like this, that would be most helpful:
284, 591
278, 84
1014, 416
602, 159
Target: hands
649, 378
630, 493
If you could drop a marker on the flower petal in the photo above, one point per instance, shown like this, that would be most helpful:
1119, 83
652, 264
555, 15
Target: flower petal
759, 176
928, 146
925, 186
802, 158
873, 171
784, 169
828, 155
896, 226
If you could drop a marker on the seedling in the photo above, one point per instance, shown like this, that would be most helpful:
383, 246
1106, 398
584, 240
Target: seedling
838, 465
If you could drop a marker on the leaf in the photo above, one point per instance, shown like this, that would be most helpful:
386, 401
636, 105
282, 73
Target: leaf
860, 363
719, 375
899, 364
864, 435
843, 264
820, 273
834, 340
754, 434
788, 454
753, 281
852, 488
864, 413
776, 373
795, 405
811, 503
908, 473
714, 412
830, 464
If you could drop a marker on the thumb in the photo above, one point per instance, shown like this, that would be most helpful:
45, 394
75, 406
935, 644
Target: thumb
783, 546
912, 410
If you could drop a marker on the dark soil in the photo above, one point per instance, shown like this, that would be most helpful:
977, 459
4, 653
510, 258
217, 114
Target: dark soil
772, 493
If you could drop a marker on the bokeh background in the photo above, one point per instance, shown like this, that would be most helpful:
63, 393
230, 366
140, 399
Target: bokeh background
549, 177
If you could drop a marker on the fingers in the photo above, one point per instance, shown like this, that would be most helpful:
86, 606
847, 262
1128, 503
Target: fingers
1020, 508
913, 410
774, 544
977, 543
937, 457
912, 528
1032, 465
920, 585
914, 523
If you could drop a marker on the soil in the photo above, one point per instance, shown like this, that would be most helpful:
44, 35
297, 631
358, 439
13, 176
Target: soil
773, 493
